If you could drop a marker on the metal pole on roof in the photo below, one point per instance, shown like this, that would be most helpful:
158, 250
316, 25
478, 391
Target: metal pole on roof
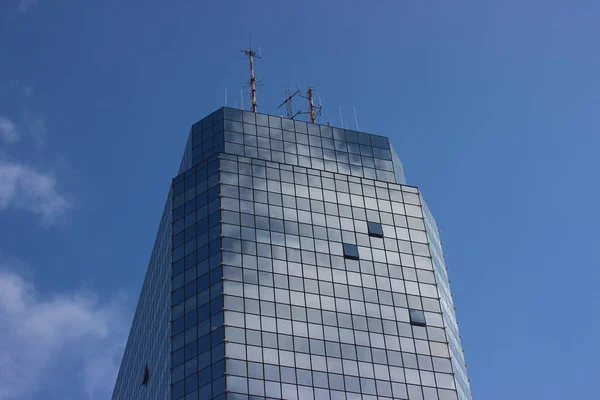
251, 56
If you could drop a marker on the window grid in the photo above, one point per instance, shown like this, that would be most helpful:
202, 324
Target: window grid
289, 292
301, 268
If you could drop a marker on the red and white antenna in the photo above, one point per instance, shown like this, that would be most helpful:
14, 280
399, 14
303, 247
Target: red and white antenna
313, 110
251, 56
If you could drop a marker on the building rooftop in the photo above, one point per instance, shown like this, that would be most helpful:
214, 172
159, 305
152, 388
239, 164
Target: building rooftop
294, 142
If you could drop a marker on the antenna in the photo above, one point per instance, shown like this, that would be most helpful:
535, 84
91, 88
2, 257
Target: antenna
289, 108
251, 56
355, 118
225, 96
341, 118
313, 110
288, 102
242, 97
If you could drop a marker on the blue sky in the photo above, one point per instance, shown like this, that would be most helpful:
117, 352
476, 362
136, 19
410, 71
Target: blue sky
492, 106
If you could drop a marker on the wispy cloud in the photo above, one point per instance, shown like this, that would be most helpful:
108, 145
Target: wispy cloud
23, 187
44, 337
25, 4
36, 127
31, 121
8, 130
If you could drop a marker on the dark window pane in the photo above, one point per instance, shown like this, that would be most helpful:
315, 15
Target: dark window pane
417, 317
375, 229
350, 251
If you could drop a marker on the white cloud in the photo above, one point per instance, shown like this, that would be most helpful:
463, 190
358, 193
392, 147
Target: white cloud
25, 4
42, 338
8, 130
23, 187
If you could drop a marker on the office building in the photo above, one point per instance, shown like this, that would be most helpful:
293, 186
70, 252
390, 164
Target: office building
293, 262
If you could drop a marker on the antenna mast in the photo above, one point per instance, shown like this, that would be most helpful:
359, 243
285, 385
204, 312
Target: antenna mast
289, 108
313, 110
288, 102
251, 56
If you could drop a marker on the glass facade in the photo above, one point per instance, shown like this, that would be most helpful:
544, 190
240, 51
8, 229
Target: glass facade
301, 267
149, 339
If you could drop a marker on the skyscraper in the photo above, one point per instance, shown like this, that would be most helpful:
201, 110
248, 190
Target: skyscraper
293, 262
